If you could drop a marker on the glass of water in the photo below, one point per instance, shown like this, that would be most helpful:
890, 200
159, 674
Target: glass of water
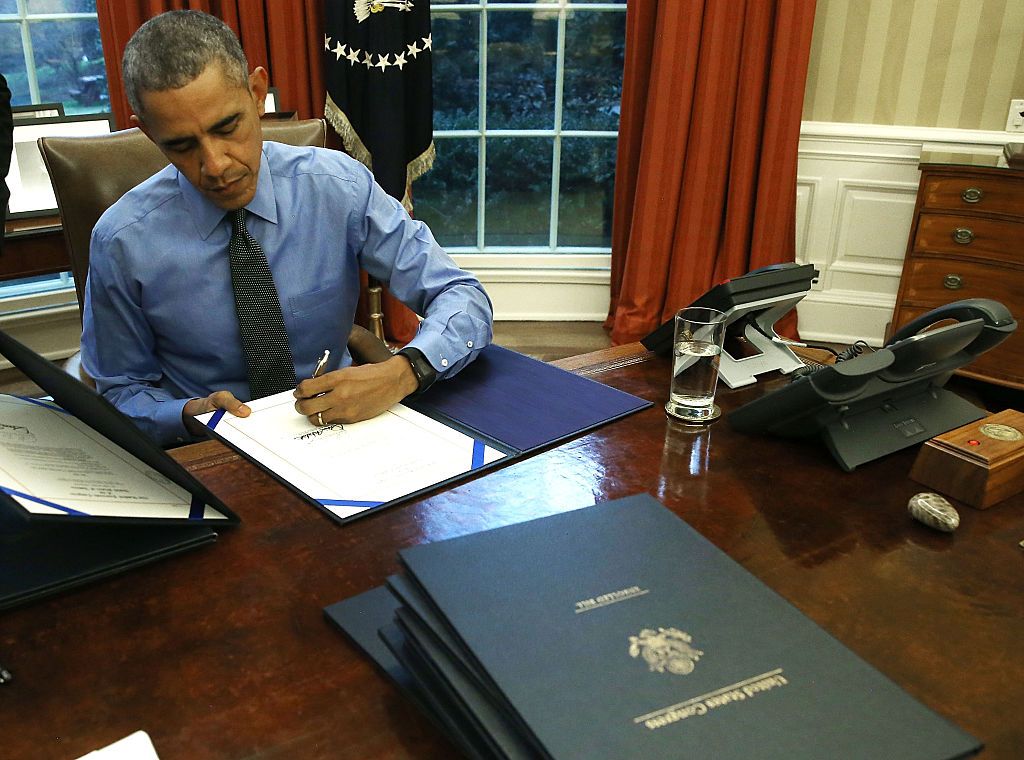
696, 351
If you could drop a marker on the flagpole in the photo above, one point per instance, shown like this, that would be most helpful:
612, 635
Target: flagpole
374, 292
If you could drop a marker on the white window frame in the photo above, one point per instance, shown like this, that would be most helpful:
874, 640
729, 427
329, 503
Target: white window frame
23, 18
555, 265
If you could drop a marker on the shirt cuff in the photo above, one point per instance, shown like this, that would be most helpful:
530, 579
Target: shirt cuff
168, 419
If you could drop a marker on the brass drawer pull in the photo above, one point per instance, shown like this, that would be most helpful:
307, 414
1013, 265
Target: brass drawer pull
971, 195
963, 235
952, 282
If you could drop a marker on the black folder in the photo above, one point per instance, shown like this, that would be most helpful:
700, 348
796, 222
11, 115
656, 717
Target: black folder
617, 631
37, 560
41, 554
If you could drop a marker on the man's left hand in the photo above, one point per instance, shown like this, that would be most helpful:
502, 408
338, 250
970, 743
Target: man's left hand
352, 394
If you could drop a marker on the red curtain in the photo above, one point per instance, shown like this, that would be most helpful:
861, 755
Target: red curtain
285, 38
705, 181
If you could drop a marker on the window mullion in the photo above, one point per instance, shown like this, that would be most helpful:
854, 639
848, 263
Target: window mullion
556, 152
481, 166
27, 52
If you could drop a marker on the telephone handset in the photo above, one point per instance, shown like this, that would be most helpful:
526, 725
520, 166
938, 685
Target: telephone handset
882, 401
998, 322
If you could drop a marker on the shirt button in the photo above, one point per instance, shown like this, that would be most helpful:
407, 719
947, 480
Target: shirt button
469, 344
444, 362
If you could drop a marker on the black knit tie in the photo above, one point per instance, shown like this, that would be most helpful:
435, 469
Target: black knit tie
264, 340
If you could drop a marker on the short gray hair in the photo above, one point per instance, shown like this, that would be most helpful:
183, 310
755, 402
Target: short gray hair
172, 49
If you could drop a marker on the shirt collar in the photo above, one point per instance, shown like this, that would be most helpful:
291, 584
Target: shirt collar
207, 215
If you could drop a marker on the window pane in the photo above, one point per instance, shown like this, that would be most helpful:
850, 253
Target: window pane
445, 197
594, 50
456, 72
61, 6
518, 188
12, 64
521, 57
8, 6
585, 190
69, 64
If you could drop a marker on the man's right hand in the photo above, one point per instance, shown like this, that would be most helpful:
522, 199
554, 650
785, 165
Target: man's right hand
218, 400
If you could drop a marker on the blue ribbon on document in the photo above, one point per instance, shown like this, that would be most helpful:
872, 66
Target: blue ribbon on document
479, 448
44, 502
349, 503
45, 404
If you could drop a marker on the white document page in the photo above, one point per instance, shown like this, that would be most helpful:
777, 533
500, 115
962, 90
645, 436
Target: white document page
137, 746
52, 463
352, 467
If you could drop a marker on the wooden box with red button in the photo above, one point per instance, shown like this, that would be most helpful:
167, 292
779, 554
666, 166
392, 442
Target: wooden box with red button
980, 464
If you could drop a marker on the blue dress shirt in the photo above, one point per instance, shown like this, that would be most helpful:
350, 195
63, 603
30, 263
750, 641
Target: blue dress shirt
159, 322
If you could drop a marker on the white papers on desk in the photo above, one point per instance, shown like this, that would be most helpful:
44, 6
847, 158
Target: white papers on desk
137, 746
53, 464
352, 467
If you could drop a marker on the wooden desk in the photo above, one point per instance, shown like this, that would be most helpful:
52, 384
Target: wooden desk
225, 653
33, 246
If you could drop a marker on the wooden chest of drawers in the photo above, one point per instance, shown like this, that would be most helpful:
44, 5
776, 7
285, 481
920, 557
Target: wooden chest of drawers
967, 241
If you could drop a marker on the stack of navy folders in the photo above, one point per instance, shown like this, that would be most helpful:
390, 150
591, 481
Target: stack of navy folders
617, 631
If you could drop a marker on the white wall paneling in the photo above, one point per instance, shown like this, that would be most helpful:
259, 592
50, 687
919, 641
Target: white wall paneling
856, 190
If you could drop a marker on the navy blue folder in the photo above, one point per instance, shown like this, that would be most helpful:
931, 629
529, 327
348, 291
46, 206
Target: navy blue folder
523, 403
617, 631
368, 619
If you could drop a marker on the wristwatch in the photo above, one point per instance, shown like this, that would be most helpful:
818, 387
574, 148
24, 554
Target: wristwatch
421, 368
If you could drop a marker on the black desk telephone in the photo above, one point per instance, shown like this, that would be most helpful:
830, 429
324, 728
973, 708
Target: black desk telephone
752, 304
882, 401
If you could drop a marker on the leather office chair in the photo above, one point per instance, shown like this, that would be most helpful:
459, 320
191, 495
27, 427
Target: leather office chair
89, 174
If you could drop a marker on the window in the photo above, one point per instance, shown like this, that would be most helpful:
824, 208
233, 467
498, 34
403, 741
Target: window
50, 52
526, 115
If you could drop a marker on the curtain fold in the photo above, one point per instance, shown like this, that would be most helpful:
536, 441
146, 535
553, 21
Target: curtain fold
705, 181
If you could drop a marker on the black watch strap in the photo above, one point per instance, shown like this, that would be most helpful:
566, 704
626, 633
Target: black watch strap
425, 373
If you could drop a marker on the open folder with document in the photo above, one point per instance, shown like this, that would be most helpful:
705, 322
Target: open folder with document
85, 494
501, 406
78, 458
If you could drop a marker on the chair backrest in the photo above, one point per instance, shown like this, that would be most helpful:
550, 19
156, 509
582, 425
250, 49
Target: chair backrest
89, 174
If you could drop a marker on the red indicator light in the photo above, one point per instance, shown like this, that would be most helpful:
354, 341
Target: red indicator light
973, 442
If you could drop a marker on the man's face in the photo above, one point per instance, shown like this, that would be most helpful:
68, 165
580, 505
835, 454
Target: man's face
210, 130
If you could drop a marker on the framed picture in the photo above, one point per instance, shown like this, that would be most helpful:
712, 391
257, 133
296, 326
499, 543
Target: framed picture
270, 104
37, 111
31, 191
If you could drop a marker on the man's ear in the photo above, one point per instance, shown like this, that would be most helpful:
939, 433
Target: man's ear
135, 121
258, 85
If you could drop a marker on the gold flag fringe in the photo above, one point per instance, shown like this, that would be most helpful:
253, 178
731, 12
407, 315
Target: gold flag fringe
354, 147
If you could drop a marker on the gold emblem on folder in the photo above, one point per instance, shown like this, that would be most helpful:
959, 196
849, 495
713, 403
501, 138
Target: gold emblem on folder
665, 649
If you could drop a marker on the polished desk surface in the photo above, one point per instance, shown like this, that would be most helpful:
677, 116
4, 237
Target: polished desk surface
224, 652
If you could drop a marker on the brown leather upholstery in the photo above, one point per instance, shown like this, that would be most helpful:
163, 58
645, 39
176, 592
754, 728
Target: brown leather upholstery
89, 173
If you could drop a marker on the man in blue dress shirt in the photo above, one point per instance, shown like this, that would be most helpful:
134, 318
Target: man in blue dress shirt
161, 336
